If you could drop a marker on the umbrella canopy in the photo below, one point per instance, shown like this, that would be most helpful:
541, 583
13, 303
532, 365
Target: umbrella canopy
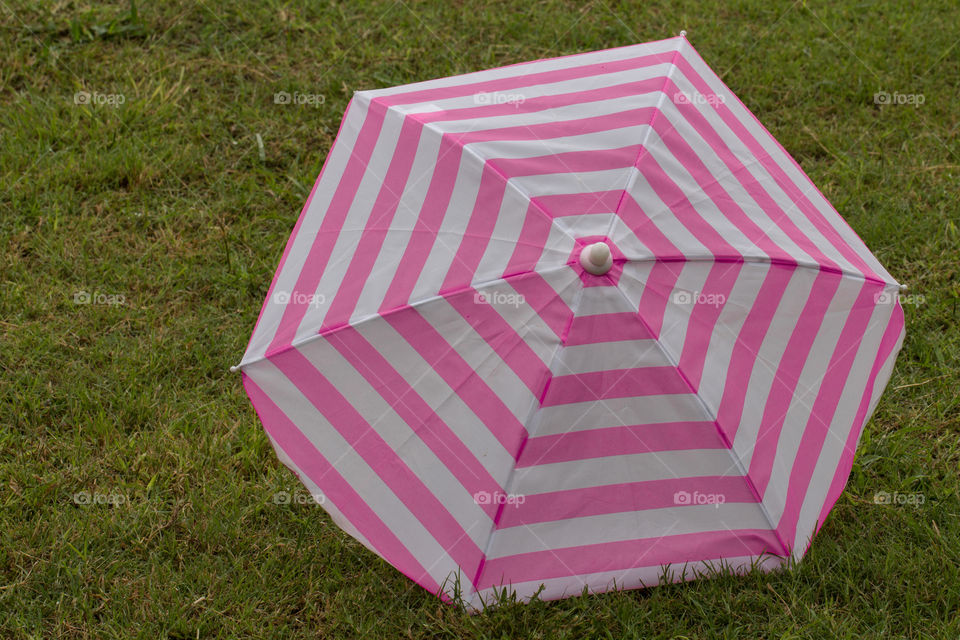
559, 324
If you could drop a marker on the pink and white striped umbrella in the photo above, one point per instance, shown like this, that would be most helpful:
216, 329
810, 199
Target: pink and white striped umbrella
559, 324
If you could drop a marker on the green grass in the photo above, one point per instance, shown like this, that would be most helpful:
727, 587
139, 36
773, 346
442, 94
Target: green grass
167, 201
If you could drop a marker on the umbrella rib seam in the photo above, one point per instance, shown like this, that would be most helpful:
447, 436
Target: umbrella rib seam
705, 258
657, 110
380, 314
716, 424
534, 410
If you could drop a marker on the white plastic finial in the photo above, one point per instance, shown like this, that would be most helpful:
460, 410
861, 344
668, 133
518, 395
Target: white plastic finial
596, 258
683, 34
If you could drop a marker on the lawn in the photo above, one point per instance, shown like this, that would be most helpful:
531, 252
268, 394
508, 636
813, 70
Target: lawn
148, 182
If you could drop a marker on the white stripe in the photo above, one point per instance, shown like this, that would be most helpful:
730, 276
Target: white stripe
733, 314
599, 141
574, 111
680, 305
767, 362
617, 412
602, 356
601, 301
503, 239
637, 467
619, 527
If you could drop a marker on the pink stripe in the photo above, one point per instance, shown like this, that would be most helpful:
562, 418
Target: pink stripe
629, 554
335, 488
789, 187
657, 289
619, 441
703, 319
383, 460
568, 162
330, 228
606, 327
540, 103
476, 237
528, 80
825, 407
414, 410
503, 339
532, 241
578, 204
888, 343
744, 355
623, 498
788, 375
381, 217
561, 128
544, 299
428, 222
460, 376
614, 383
